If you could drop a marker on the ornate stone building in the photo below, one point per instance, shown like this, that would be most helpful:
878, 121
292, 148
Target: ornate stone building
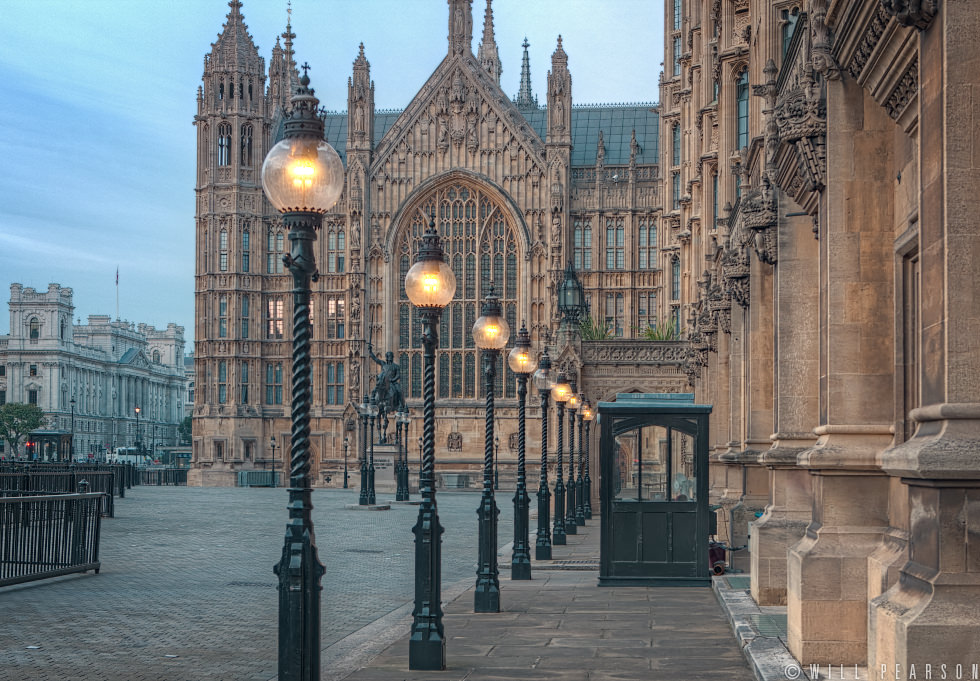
108, 368
516, 190
821, 193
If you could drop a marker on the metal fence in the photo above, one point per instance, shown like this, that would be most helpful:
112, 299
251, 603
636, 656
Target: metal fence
48, 535
162, 476
258, 479
52, 481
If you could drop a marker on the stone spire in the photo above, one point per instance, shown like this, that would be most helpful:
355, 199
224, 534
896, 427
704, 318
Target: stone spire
283, 74
460, 26
525, 100
234, 49
487, 54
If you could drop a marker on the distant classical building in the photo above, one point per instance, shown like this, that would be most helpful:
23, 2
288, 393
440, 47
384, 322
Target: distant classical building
517, 191
107, 368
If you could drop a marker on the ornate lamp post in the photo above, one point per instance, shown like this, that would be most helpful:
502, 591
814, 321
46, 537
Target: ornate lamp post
560, 394
346, 442
403, 494
571, 297
71, 449
572, 407
522, 363
139, 449
491, 333
588, 415
580, 482
542, 381
430, 284
362, 411
275, 473
372, 414
302, 176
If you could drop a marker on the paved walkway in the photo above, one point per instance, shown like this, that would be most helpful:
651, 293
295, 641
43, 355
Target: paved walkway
562, 626
186, 592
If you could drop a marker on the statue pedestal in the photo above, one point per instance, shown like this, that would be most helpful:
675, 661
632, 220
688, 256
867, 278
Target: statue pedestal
384, 468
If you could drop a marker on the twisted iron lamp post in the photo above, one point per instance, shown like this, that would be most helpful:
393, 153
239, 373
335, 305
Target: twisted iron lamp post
397, 469
372, 414
362, 411
571, 406
542, 381
560, 394
491, 332
406, 490
522, 363
580, 482
346, 443
430, 285
587, 480
275, 473
302, 176
139, 447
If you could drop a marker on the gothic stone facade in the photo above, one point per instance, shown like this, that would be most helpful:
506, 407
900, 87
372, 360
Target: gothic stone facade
107, 367
821, 192
516, 191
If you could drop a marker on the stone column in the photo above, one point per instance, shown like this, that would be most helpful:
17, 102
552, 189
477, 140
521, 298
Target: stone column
796, 396
930, 615
827, 571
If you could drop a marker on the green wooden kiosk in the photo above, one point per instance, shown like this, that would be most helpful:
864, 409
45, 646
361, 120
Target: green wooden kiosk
653, 456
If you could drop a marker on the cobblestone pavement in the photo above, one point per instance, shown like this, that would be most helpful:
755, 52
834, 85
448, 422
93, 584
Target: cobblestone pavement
187, 592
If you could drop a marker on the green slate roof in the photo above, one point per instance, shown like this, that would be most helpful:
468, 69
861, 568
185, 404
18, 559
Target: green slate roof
617, 122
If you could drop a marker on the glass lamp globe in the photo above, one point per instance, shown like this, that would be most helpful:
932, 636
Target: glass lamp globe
303, 175
572, 401
587, 410
542, 379
430, 283
561, 391
521, 360
491, 331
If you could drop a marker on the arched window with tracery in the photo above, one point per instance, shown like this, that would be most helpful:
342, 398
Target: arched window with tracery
480, 243
224, 144
742, 108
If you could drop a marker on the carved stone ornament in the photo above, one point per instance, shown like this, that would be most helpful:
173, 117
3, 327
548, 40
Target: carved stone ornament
759, 215
735, 270
455, 442
631, 352
916, 13
820, 50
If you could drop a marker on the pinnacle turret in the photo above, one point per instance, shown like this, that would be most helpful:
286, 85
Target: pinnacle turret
487, 54
526, 101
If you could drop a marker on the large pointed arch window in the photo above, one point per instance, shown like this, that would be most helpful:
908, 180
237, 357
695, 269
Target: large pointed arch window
480, 244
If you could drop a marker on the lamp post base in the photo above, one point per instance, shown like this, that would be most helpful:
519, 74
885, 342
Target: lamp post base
487, 595
426, 653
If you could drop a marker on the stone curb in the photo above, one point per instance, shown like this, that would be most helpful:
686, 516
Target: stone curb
370, 507
768, 656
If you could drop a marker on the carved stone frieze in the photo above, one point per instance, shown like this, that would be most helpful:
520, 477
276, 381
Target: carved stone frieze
916, 13
904, 92
735, 270
634, 352
872, 36
759, 215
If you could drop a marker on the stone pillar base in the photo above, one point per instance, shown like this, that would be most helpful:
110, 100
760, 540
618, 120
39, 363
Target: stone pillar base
199, 477
827, 571
929, 617
782, 524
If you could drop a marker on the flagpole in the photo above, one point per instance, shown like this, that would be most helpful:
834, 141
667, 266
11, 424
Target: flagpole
117, 293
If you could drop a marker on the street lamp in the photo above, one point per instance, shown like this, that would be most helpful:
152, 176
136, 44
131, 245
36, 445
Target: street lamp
139, 449
579, 483
346, 442
401, 469
542, 381
275, 472
496, 462
522, 363
560, 393
363, 411
71, 450
303, 177
587, 416
430, 284
572, 406
571, 297
491, 333
372, 414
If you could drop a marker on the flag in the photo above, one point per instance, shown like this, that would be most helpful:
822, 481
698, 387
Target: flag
117, 275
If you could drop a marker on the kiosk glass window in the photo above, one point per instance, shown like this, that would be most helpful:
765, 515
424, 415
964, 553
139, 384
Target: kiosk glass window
654, 463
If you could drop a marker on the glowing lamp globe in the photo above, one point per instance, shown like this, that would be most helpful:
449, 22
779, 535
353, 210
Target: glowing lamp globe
521, 359
491, 331
561, 391
430, 283
572, 401
303, 175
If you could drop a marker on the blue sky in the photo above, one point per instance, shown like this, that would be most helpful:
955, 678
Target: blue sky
97, 99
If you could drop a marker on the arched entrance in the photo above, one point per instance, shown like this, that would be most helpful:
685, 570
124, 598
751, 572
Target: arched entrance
653, 455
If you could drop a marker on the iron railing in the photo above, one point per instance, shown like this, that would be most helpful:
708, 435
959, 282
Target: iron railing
48, 535
162, 476
46, 480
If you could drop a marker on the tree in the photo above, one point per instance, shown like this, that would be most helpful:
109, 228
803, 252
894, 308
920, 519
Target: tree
17, 420
184, 431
